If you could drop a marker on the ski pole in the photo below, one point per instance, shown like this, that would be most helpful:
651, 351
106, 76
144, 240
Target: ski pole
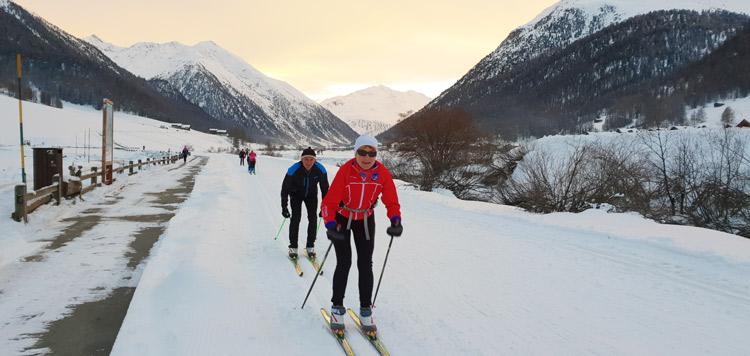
316, 230
381, 272
282, 226
317, 274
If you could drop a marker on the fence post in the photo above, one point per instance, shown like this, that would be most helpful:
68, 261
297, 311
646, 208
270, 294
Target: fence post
93, 179
20, 203
131, 168
139, 164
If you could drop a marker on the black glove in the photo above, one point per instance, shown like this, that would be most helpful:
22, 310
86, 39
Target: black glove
285, 212
396, 228
334, 232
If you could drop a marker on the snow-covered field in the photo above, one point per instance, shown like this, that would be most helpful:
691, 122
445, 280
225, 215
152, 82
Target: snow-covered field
466, 278
50, 127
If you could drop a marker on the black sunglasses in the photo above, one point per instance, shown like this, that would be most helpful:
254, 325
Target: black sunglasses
365, 153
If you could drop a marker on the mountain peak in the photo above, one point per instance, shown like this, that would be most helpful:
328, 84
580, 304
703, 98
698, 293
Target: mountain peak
208, 44
373, 110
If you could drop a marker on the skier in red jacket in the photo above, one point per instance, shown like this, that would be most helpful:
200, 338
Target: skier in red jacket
348, 206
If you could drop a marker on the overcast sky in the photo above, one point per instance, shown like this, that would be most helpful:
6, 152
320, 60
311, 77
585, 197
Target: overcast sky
323, 48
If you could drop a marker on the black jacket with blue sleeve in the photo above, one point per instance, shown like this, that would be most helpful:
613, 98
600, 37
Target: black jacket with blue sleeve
303, 184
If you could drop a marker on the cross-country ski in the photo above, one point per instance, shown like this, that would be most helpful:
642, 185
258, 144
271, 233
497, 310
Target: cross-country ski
340, 335
372, 336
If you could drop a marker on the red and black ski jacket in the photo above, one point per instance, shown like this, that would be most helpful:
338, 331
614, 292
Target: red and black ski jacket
357, 189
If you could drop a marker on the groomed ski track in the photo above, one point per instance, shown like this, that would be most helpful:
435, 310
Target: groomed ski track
466, 278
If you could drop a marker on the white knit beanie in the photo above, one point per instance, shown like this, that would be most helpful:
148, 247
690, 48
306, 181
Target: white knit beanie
365, 140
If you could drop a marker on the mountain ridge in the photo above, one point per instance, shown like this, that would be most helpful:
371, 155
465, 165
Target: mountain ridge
269, 109
55, 63
528, 86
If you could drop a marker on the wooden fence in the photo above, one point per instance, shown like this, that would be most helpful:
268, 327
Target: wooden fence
27, 202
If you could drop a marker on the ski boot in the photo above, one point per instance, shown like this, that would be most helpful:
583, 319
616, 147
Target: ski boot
337, 319
310, 251
293, 253
368, 323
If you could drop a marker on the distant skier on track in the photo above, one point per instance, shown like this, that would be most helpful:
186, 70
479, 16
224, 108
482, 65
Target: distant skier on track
349, 207
251, 162
301, 185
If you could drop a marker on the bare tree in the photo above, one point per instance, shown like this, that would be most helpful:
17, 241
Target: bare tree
547, 181
440, 141
727, 117
720, 200
618, 176
698, 117
658, 146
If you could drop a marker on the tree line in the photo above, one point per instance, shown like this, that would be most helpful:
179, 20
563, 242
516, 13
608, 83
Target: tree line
699, 178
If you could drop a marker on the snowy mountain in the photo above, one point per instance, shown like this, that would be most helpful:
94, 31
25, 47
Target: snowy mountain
59, 67
570, 20
230, 89
375, 109
581, 57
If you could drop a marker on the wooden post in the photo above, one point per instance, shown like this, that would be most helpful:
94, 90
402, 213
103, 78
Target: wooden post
93, 179
139, 164
130, 170
20, 203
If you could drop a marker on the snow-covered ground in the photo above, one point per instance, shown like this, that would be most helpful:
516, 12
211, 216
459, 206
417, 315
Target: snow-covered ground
741, 108
466, 278
45, 126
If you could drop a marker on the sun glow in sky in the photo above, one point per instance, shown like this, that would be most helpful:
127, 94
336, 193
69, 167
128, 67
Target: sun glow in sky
322, 48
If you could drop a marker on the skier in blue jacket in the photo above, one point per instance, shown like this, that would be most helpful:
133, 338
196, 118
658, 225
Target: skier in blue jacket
301, 185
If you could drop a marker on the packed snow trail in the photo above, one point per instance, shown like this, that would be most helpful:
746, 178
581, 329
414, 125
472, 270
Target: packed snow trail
466, 278
89, 251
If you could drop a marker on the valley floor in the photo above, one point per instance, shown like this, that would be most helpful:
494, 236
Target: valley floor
466, 278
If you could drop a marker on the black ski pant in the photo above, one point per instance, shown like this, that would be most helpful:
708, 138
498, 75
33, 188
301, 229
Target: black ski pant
364, 260
242, 161
311, 203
